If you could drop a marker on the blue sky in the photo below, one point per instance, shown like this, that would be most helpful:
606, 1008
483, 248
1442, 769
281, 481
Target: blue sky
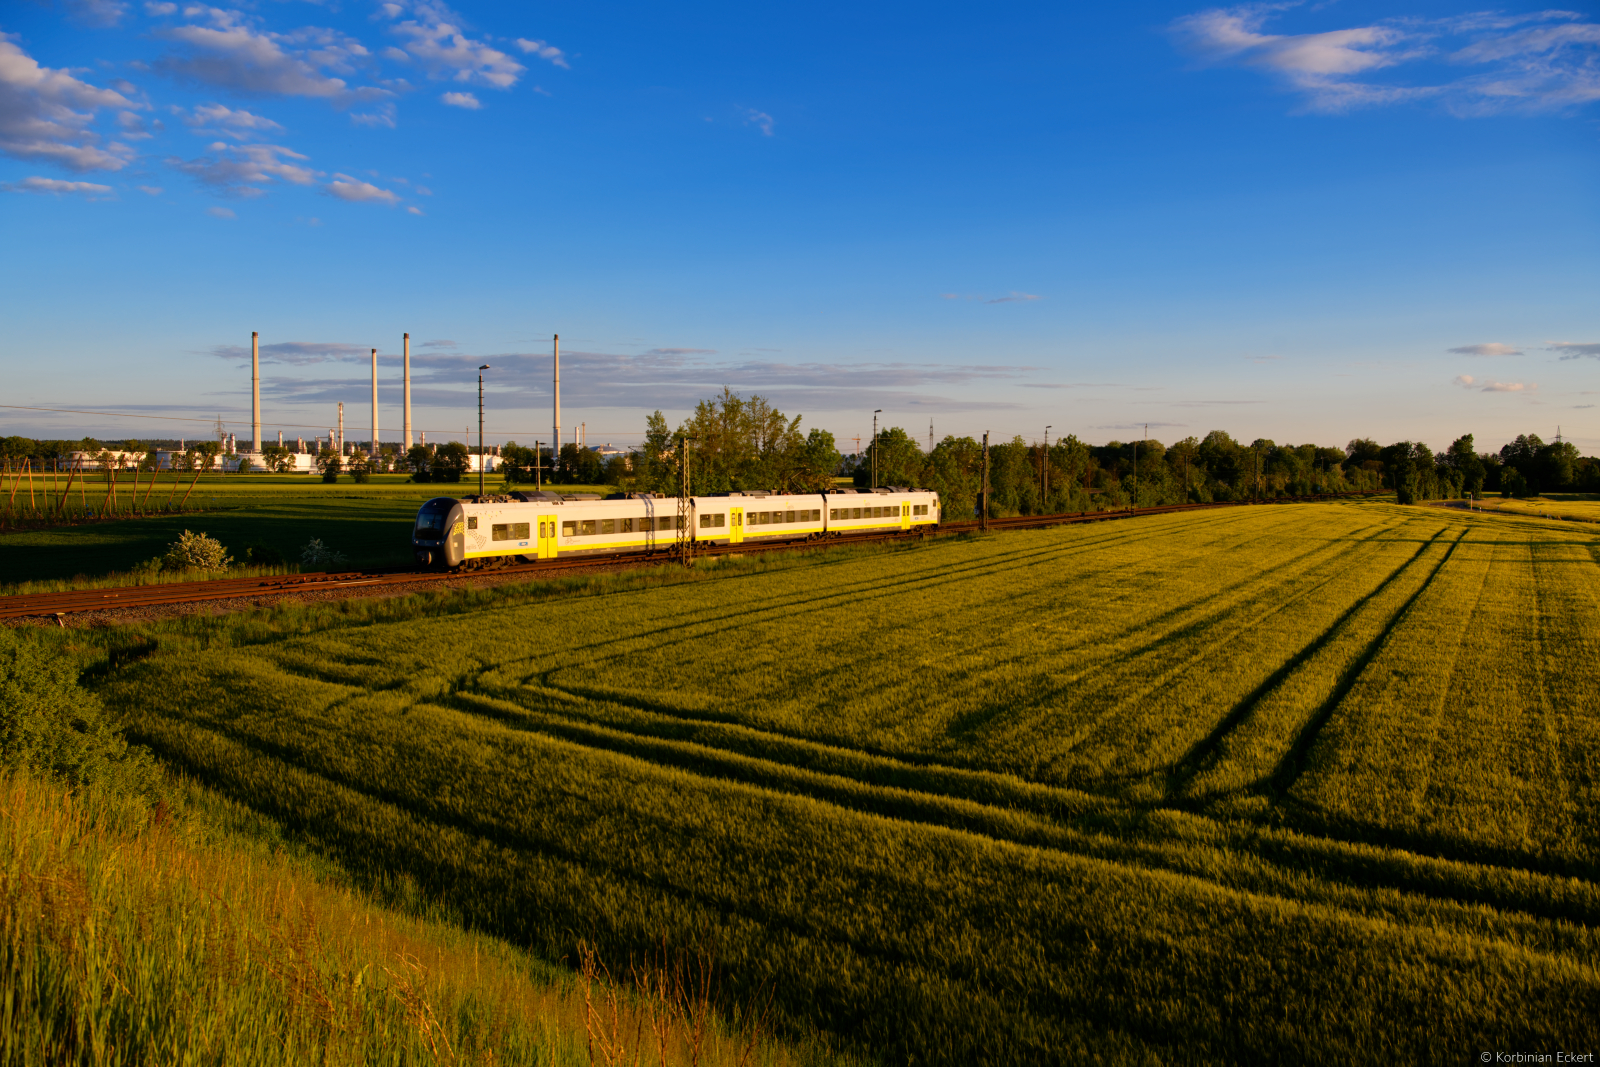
1307, 222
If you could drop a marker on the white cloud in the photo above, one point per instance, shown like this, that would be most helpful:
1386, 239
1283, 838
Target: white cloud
1547, 65
434, 38
298, 353
414, 210
1013, 298
45, 114
543, 50
221, 212
1467, 381
231, 123
159, 9
466, 100
1493, 348
228, 54
1576, 349
56, 186
359, 192
237, 170
153, 190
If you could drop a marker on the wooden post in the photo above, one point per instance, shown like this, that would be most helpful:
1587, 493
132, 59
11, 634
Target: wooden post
66, 490
192, 484
31, 505
83, 493
155, 464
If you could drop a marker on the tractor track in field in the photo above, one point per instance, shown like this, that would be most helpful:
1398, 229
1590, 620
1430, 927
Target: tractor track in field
223, 593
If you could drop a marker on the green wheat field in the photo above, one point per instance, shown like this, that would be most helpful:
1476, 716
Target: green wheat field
1293, 783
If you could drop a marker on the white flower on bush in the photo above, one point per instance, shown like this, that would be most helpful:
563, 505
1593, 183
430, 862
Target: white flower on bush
317, 554
196, 552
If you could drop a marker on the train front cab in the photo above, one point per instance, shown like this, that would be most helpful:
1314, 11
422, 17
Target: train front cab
439, 538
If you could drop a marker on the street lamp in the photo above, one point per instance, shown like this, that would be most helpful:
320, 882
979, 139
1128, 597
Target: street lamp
875, 415
480, 429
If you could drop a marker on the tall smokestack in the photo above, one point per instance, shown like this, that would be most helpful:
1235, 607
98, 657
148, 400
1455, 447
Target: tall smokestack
557, 438
374, 452
341, 427
406, 374
255, 392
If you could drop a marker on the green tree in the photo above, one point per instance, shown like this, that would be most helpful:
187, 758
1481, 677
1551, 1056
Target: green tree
330, 463
449, 462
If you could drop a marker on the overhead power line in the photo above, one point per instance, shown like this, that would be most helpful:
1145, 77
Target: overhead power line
286, 425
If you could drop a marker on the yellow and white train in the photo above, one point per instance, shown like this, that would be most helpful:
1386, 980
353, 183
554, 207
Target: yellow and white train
545, 525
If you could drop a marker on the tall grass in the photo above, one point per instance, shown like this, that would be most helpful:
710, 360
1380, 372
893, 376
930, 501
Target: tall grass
127, 936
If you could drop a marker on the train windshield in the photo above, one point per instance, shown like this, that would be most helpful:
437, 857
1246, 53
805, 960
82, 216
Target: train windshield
431, 519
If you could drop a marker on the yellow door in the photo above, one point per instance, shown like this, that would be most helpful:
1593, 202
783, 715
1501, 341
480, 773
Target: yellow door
905, 516
547, 537
735, 526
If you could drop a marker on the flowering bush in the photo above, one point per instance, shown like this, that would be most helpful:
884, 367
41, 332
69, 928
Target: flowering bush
317, 554
196, 551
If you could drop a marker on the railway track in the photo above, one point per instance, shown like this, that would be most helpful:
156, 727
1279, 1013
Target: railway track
34, 605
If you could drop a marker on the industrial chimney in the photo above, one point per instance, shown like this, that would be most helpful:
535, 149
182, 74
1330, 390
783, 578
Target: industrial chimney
406, 375
255, 392
374, 452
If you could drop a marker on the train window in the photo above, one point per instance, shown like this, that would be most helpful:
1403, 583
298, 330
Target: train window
788, 516
705, 522
472, 522
509, 531
608, 526
586, 528
816, 514
855, 513
833, 513
719, 520
569, 529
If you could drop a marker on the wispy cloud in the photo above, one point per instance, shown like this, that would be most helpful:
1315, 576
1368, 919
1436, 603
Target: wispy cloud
215, 119
1212, 403
357, 191
544, 50
466, 100
296, 353
434, 37
1576, 349
47, 115
1484, 385
56, 187
222, 49
759, 119
1477, 64
221, 212
241, 170
1493, 348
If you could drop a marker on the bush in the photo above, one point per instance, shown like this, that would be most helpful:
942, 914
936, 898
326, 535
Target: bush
52, 725
360, 472
196, 551
317, 554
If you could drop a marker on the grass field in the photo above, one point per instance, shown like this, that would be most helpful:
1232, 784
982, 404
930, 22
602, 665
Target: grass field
1562, 506
370, 524
1289, 783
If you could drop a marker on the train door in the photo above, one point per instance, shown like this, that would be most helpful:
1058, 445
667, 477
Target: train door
905, 515
735, 526
547, 537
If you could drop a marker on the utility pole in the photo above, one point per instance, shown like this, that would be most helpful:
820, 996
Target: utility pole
685, 534
930, 435
1045, 494
984, 497
538, 465
480, 429
875, 415
1136, 474
1256, 489
374, 457
405, 374
255, 393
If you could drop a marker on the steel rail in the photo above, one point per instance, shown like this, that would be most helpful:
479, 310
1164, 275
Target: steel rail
28, 605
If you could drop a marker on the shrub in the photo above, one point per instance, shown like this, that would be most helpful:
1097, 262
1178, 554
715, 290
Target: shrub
52, 725
196, 551
317, 554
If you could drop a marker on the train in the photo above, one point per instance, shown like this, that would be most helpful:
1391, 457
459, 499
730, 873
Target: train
452, 533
